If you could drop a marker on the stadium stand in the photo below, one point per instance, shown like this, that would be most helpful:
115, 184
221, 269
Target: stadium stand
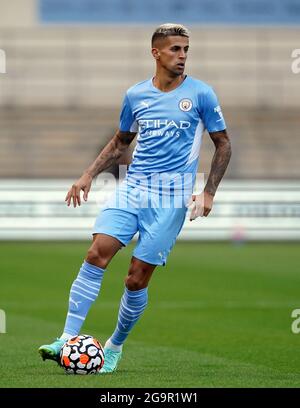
61, 95
64, 82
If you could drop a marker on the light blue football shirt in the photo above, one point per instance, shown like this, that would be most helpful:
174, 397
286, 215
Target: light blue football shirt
170, 127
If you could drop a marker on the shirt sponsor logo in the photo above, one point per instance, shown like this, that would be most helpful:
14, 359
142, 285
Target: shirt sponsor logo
159, 123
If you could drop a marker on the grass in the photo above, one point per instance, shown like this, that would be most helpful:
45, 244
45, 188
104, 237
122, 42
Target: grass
218, 316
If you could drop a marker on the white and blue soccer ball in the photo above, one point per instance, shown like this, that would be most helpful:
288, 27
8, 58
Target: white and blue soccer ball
82, 354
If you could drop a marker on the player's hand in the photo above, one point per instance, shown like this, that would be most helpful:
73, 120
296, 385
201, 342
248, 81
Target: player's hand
84, 184
201, 205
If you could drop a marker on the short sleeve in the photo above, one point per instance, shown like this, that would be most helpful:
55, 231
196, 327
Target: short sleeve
127, 120
211, 112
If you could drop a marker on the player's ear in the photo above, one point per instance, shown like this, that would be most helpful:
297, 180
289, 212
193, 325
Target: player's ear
155, 53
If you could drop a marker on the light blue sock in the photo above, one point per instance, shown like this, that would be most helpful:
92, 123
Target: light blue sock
132, 305
83, 292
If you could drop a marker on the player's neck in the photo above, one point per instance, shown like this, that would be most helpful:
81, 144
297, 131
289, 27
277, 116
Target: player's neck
166, 83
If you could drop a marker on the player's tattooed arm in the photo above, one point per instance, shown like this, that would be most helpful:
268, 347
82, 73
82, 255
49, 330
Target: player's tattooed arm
111, 152
220, 160
202, 203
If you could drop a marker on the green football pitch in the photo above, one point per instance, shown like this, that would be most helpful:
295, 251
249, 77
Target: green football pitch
219, 315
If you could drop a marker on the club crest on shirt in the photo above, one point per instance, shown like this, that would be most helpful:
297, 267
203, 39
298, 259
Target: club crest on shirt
185, 105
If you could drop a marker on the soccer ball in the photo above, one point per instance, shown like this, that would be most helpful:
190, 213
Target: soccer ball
82, 355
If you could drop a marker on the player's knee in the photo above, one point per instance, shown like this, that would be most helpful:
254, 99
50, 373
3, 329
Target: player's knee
133, 282
96, 256
137, 278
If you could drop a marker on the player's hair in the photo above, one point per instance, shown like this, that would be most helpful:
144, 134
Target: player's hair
166, 30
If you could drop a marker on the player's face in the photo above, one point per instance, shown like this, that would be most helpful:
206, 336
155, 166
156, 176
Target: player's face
171, 54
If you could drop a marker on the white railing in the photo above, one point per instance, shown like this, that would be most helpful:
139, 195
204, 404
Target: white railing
254, 210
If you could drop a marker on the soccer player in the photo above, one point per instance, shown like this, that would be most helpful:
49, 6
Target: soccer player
169, 112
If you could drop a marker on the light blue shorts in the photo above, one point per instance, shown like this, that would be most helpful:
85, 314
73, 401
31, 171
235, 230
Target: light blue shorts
157, 220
